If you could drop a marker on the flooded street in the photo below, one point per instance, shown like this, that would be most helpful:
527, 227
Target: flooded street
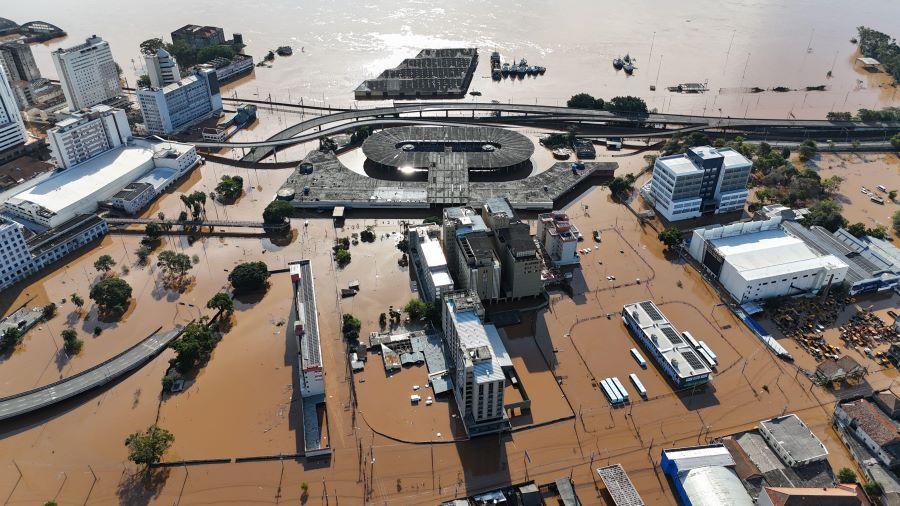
242, 409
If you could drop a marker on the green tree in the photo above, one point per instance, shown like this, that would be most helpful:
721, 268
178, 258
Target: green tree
857, 229
150, 46
221, 302
104, 264
879, 232
152, 232
839, 116
892, 195
183, 53
350, 326
71, 343
77, 300
415, 308
277, 212
327, 144
437, 220
825, 213
619, 185
144, 81
846, 475
895, 221
174, 263
10, 338
48, 311
230, 188
112, 295
807, 150
148, 447
342, 257
671, 236
143, 254
210, 53
584, 101
403, 245
382, 320
193, 347
895, 141
627, 104
873, 489
367, 235
249, 277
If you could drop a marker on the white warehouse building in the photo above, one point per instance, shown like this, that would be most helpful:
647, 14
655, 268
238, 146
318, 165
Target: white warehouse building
78, 189
705, 180
758, 260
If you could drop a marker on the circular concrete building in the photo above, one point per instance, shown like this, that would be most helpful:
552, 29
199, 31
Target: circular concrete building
416, 147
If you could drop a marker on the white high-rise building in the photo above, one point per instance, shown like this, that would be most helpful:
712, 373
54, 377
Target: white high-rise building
87, 73
704, 180
478, 358
162, 68
16, 262
178, 106
84, 135
12, 130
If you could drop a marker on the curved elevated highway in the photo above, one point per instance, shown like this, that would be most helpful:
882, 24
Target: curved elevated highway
413, 114
100, 374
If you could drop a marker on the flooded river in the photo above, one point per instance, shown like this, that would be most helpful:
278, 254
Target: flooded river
338, 44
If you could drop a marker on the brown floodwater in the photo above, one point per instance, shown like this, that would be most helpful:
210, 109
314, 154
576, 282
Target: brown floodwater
245, 401
339, 44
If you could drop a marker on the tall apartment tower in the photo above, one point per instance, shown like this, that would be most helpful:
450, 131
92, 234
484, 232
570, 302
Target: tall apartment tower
705, 180
162, 68
12, 130
19, 61
178, 106
84, 135
87, 73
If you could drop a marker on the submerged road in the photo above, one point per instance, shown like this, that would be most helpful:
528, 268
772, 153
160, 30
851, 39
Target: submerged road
100, 374
321, 126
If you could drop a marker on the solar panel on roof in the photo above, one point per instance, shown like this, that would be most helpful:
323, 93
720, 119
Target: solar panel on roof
692, 359
673, 336
651, 310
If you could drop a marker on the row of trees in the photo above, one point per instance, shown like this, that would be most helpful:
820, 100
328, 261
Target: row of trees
186, 55
622, 104
882, 47
341, 251
866, 115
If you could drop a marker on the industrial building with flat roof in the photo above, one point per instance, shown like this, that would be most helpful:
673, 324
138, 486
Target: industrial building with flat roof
792, 440
676, 358
433, 73
304, 321
704, 475
478, 357
873, 264
559, 236
758, 260
79, 189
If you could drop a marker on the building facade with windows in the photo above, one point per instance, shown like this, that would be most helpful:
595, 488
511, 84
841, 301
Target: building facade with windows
12, 129
478, 358
87, 73
178, 106
84, 135
705, 180
162, 68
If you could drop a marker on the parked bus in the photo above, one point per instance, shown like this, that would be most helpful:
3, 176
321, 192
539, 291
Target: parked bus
690, 339
612, 393
638, 385
708, 350
618, 384
638, 358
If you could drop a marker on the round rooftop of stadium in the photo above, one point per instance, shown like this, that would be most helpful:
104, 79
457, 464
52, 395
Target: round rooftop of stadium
483, 147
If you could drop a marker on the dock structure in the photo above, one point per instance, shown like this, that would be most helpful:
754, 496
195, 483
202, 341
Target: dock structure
433, 73
304, 320
330, 184
677, 359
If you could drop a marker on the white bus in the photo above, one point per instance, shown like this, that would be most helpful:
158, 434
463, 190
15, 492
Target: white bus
709, 352
690, 339
638, 385
638, 358
612, 393
618, 384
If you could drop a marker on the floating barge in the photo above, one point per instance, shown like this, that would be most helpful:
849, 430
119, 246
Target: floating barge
433, 73
689, 88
